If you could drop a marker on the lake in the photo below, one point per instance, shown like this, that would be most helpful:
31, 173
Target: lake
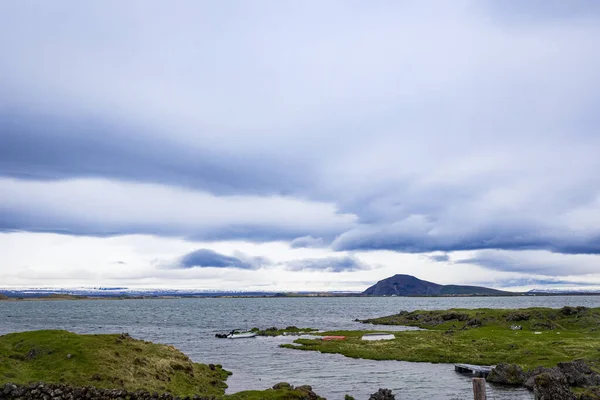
190, 325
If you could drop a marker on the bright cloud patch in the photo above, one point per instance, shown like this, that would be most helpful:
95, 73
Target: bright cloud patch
101, 207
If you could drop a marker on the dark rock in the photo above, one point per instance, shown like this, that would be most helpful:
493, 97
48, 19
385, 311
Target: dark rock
530, 378
473, 323
32, 354
455, 315
282, 385
543, 325
507, 374
578, 373
517, 316
382, 394
549, 386
567, 310
310, 395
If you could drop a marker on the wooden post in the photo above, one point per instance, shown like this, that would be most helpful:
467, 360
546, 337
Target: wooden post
479, 389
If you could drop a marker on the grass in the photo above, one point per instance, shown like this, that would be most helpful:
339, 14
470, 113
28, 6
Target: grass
481, 336
105, 361
117, 362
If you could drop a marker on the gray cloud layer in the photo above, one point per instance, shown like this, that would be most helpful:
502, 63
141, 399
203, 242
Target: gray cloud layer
465, 126
210, 258
331, 264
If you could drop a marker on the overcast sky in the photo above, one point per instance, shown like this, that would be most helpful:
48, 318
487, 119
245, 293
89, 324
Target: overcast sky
299, 145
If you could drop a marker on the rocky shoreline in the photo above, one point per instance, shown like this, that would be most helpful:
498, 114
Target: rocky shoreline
555, 383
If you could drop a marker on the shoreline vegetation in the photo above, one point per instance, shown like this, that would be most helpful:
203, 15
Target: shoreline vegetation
99, 364
528, 337
528, 342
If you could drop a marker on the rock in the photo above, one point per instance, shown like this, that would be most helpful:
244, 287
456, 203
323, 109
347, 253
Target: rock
578, 373
530, 376
507, 374
382, 394
572, 310
549, 386
282, 385
455, 315
473, 323
517, 316
9, 388
32, 354
310, 395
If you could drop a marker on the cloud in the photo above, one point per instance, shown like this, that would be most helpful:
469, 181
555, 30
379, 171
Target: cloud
535, 262
307, 241
106, 208
418, 234
403, 127
439, 257
331, 264
210, 258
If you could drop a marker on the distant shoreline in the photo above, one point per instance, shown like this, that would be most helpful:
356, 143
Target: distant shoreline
53, 297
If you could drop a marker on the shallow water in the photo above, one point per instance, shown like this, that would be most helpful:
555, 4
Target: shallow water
190, 325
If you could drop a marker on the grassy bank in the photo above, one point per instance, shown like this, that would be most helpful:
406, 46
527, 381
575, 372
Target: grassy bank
481, 336
116, 362
105, 361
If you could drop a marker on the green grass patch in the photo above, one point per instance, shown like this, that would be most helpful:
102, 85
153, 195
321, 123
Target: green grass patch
105, 361
481, 336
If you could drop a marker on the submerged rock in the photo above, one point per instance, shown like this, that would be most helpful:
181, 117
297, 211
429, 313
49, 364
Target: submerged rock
382, 394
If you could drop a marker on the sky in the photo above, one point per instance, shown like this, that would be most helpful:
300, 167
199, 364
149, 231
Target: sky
299, 145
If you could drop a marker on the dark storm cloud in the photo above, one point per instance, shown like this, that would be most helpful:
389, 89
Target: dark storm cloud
44, 147
330, 264
209, 258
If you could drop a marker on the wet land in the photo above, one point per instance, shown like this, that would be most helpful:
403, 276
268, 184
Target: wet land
524, 338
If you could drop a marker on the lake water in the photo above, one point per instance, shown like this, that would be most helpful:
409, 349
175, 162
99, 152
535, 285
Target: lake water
190, 325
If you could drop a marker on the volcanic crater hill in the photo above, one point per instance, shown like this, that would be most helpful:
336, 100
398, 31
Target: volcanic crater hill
408, 285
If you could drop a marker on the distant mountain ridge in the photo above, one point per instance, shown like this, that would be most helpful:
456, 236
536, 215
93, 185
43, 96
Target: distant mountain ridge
408, 285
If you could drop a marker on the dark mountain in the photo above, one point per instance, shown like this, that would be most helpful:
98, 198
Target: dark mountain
407, 285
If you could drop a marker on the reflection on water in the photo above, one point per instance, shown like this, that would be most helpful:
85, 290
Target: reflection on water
190, 325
